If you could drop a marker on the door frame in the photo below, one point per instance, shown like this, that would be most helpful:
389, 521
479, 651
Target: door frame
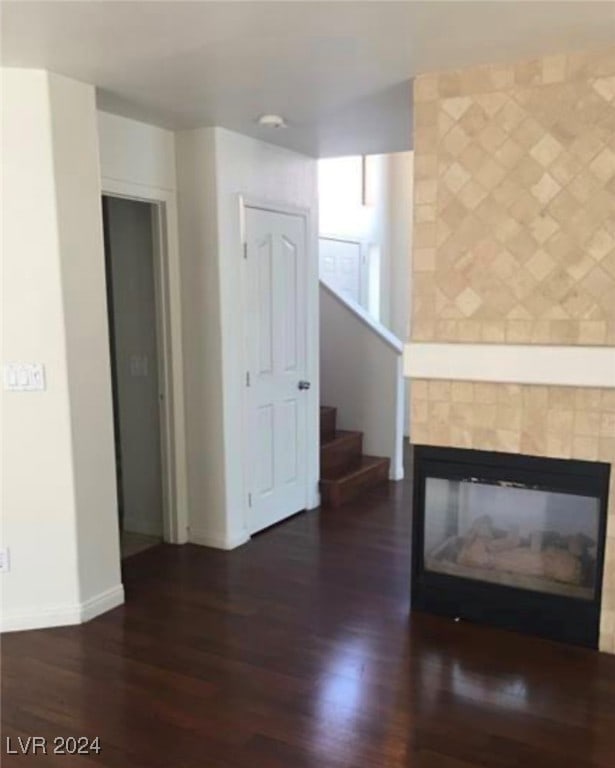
244, 201
168, 338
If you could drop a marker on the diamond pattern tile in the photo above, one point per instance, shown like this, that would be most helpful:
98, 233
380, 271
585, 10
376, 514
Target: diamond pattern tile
515, 202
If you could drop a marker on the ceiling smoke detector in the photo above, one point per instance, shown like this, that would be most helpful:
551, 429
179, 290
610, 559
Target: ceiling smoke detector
272, 121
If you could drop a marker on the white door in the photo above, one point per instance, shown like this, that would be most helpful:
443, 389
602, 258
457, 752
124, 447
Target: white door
277, 391
340, 265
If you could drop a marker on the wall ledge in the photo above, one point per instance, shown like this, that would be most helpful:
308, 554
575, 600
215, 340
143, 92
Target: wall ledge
567, 366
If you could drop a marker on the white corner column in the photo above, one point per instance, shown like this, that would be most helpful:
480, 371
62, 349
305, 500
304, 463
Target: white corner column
58, 495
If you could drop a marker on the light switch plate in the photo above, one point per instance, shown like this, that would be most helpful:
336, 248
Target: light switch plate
5, 562
24, 377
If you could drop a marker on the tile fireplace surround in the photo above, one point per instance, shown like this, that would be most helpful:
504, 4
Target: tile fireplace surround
514, 244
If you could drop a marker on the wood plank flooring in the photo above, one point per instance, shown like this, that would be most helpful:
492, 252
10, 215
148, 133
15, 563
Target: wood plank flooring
298, 651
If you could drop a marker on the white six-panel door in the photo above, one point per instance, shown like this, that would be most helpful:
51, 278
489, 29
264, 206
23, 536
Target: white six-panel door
343, 265
276, 377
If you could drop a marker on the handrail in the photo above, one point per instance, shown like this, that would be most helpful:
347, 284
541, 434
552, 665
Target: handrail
361, 313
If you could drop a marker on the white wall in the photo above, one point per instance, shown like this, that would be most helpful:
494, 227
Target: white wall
136, 152
386, 222
361, 375
59, 514
400, 179
215, 167
401, 201
342, 214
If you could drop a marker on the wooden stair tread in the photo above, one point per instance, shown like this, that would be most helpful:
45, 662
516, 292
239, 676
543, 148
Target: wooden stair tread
363, 465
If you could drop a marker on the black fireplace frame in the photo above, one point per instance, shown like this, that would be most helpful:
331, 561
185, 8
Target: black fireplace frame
568, 619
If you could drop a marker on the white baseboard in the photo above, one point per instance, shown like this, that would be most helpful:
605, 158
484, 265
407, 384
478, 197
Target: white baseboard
314, 500
218, 541
64, 615
396, 473
180, 538
103, 602
59, 616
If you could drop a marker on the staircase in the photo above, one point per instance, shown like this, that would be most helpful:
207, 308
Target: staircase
344, 471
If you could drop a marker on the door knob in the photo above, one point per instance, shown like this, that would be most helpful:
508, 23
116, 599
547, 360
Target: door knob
304, 385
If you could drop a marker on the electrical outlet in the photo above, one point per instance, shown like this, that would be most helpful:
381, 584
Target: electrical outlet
5, 563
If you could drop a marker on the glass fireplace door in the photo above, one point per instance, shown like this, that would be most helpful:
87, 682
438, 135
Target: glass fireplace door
505, 533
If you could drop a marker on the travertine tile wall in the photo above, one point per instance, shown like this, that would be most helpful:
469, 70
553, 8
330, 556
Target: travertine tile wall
514, 242
559, 422
514, 235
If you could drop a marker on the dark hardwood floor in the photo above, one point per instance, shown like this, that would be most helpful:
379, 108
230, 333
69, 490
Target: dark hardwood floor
298, 651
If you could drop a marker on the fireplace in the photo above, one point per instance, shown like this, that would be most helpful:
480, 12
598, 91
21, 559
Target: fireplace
510, 540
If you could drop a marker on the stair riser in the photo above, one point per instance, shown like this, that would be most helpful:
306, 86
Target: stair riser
343, 491
327, 424
337, 457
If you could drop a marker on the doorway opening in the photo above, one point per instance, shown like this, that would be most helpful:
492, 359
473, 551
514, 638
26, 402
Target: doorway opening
131, 237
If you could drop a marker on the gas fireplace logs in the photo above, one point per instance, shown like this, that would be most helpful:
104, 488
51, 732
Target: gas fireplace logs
540, 554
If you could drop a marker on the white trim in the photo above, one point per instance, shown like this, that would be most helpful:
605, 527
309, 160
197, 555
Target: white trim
102, 602
64, 615
137, 188
218, 540
396, 469
364, 316
512, 363
313, 498
173, 428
